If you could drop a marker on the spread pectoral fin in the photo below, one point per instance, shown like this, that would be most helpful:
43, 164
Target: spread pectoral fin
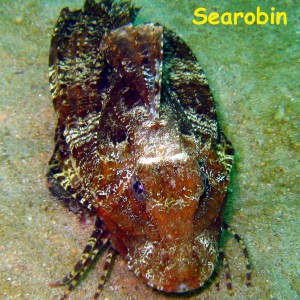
62, 171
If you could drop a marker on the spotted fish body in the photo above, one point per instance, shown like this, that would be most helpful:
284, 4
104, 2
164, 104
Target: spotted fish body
138, 142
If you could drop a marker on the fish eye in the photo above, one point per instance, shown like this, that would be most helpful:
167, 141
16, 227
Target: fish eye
205, 183
138, 189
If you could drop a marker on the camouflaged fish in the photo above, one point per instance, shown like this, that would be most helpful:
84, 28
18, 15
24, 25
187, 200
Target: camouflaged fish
138, 143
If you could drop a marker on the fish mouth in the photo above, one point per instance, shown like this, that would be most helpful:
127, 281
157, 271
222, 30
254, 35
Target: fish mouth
177, 282
184, 267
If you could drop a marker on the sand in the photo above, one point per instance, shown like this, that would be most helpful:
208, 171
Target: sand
254, 74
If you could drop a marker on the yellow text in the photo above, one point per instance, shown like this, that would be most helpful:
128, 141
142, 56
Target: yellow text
249, 18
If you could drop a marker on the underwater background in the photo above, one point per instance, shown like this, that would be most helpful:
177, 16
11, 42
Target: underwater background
253, 72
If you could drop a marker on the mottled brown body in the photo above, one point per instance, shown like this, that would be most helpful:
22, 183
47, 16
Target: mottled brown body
138, 142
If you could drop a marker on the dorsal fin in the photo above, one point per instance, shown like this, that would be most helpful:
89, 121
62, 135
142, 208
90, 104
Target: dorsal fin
136, 54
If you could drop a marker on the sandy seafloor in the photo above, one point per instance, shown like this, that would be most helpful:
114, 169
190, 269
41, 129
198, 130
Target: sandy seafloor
254, 74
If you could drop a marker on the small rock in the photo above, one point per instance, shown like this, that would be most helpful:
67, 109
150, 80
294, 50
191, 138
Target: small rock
19, 20
279, 114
